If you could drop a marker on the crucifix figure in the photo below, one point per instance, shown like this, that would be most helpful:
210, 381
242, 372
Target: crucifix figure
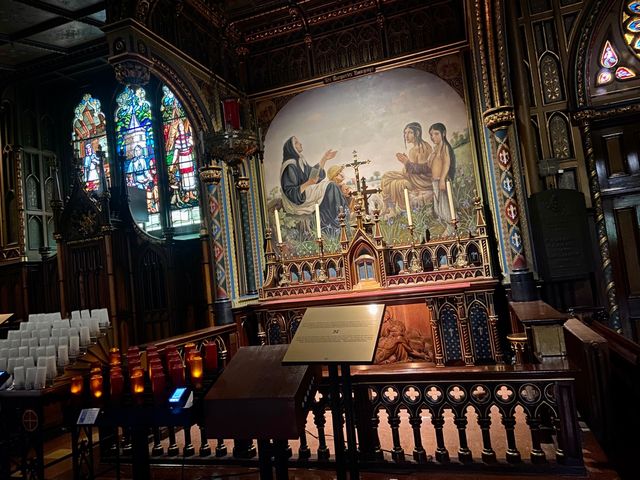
362, 192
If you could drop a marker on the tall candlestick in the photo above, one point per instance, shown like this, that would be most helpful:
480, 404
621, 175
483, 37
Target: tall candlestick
278, 232
318, 231
407, 206
450, 197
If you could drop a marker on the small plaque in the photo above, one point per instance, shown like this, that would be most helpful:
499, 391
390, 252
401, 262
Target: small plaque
561, 234
345, 334
88, 416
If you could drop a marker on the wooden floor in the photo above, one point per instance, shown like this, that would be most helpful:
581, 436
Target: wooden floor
596, 463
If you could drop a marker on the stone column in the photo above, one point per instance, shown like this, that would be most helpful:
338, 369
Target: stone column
500, 121
243, 185
218, 280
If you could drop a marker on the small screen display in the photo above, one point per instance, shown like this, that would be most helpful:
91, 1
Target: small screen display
175, 397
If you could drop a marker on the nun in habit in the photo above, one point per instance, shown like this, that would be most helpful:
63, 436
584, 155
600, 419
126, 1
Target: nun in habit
303, 186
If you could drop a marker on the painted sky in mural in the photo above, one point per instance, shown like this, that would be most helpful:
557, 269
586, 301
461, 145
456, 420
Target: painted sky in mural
370, 115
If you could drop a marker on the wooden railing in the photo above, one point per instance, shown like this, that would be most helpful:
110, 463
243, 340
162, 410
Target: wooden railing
500, 417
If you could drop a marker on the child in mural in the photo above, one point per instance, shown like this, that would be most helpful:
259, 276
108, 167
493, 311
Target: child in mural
303, 186
443, 166
416, 175
335, 175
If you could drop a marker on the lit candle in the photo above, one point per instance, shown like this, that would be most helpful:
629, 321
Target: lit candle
450, 197
407, 207
95, 383
76, 385
137, 381
195, 367
278, 232
318, 232
210, 356
114, 356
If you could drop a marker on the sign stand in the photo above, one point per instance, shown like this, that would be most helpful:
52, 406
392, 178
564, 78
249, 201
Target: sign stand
338, 336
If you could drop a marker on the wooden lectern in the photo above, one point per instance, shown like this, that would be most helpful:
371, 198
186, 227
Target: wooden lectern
257, 397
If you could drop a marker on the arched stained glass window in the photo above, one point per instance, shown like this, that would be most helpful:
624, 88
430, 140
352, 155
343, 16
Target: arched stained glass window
631, 25
90, 141
180, 161
134, 134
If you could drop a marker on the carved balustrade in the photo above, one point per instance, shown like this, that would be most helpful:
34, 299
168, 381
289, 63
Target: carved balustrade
509, 418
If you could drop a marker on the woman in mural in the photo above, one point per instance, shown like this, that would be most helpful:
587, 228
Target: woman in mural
443, 166
416, 175
303, 186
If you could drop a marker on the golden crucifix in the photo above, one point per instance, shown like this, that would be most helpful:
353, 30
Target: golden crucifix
362, 193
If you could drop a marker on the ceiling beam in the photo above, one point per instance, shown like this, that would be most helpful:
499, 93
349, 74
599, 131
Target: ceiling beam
71, 15
7, 39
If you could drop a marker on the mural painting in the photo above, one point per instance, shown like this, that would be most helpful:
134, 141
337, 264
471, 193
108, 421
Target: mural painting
409, 131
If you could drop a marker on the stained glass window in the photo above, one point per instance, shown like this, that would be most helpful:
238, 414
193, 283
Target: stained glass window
608, 58
604, 77
90, 141
180, 160
624, 73
631, 26
134, 135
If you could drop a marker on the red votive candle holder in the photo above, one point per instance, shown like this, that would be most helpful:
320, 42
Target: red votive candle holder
158, 383
176, 372
96, 385
117, 384
210, 356
137, 381
77, 384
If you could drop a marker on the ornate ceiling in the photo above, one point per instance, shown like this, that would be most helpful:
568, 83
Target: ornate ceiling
33, 29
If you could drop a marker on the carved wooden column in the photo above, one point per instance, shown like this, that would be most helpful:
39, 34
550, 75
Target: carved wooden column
465, 335
584, 121
243, 185
56, 206
438, 352
211, 176
494, 338
503, 162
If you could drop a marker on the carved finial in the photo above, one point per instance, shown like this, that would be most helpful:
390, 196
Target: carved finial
481, 223
343, 226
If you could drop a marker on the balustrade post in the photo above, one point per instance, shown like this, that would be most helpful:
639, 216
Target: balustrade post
243, 448
221, 448
464, 454
537, 454
304, 452
188, 449
442, 454
513, 455
368, 442
484, 421
173, 450
205, 448
569, 440
157, 449
419, 454
319, 421
397, 453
